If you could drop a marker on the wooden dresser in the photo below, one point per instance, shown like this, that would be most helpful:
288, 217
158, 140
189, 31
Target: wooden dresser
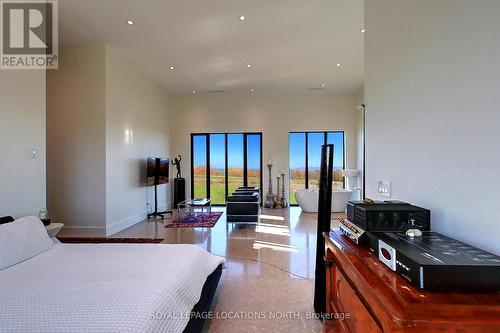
374, 299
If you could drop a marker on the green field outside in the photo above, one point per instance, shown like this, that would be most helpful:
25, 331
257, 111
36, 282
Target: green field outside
217, 183
235, 180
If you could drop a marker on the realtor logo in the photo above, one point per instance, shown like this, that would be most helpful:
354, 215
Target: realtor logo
29, 34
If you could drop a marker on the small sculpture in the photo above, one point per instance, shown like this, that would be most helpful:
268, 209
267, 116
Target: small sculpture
177, 164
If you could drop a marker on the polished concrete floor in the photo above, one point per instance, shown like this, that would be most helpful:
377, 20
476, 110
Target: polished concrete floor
269, 281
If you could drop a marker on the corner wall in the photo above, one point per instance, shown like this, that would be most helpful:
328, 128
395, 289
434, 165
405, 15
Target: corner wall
104, 119
137, 127
76, 140
22, 130
433, 119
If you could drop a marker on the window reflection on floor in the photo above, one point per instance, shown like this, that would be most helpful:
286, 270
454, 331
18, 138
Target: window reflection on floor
257, 245
272, 229
271, 217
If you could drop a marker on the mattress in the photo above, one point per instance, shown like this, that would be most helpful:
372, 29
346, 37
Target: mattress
105, 288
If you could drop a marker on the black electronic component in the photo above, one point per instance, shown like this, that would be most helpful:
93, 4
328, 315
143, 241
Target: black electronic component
388, 216
437, 262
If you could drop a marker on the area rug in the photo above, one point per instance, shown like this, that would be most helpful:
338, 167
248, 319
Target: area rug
98, 240
198, 220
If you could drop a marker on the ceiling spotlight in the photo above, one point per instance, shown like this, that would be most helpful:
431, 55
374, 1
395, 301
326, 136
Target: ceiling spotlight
363, 30
323, 85
130, 22
249, 65
338, 65
194, 91
252, 90
242, 18
172, 68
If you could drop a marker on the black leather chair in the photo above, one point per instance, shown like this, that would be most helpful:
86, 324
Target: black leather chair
244, 190
243, 206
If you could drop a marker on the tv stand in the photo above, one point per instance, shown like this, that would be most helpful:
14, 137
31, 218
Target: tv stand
156, 213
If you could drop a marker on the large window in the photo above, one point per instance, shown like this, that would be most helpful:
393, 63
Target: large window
199, 161
217, 168
222, 162
305, 159
253, 161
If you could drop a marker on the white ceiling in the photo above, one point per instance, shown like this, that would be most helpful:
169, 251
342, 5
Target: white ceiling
292, 44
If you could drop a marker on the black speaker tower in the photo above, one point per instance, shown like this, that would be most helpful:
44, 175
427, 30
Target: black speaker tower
324, 216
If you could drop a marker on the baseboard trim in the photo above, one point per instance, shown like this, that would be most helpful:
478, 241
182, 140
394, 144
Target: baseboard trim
125, 223
129, 221
84, 231
92, 231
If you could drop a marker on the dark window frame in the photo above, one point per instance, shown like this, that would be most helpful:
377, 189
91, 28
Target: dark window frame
226, 160
325, 141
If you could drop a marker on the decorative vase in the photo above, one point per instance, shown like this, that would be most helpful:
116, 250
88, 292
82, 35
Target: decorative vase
270, 201
284, 204
278, 199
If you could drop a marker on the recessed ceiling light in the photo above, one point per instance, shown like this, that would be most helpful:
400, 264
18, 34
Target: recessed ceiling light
249, 65
252, 90
338, 65
172, 68
363, 30
242, 18
130, 22
323, 85
194, 91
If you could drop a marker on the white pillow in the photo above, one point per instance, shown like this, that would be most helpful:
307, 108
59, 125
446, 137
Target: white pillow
21, 240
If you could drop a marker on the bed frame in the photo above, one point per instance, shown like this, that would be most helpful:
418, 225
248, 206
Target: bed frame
195, 324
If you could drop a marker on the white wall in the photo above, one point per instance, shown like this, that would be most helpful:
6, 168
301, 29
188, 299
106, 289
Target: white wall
137, 126
76, 140
22, 129
275, 116
104, 119
433, 118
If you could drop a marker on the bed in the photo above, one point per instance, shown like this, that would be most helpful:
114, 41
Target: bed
108, 288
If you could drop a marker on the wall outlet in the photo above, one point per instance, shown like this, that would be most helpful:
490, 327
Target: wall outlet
384, 188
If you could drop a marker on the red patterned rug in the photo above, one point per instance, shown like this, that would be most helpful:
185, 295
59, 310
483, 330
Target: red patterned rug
195, 220
97, 240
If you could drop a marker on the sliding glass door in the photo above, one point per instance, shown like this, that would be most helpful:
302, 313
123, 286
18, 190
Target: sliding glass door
305, 159
235, 162
253, 159
297, 163
217, 168
199, 167
222, 162
337, 139
314, 143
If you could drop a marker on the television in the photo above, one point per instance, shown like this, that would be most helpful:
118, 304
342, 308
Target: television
157, 170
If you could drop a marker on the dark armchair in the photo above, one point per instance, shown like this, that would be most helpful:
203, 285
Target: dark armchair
244, 190
243, 206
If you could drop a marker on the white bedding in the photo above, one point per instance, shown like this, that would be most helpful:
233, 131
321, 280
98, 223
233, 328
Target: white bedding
104, 288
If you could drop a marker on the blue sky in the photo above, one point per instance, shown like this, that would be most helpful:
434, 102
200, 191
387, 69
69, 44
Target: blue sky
297, 150
235, 151
315, 140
